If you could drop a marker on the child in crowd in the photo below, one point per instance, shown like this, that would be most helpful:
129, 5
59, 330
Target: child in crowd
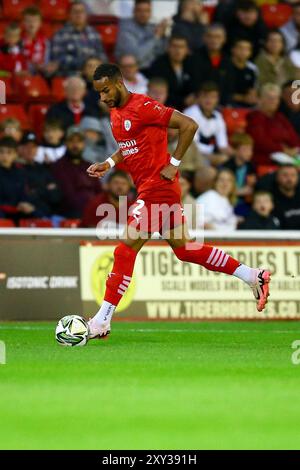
11, 127
240, 164
260, 217
34, 42
52, 147
12, 58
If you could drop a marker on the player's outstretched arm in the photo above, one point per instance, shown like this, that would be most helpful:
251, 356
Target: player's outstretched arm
97, 170
187, 128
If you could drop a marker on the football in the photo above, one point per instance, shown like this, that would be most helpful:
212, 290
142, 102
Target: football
72, 330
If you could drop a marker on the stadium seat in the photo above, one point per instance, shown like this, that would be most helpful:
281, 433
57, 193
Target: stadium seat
49, 28
108, 33
10, 92
15, 111
70, 223
33, 88
3, 24
57, 88
235, 119
54, 10
37, 114
276, 15
12, 9
7, 223
262, 170
42, 223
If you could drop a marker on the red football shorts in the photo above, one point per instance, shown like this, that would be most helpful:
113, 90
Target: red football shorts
156, 211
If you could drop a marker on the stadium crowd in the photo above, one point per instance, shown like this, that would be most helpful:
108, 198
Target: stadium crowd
231, 67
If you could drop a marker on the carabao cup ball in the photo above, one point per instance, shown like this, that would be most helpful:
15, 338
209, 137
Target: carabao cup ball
72, 330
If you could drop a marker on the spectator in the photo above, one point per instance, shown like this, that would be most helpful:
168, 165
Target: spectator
70, 172
210, 61
134, 80
74, 43
285, 187
158, 89
190, 22
246, 23
218, 204
260, 217
34, 42
14, 202
52, 147
211, 136
11, 56
273, 64
96, 107
71, 110
99, 141
204, 180
137, 36
291, 29
118, 184
290, 106
175, 66
274, 137
192, 160
28, 147
41, 187
11, 127
240, 164
241, 75
187, 200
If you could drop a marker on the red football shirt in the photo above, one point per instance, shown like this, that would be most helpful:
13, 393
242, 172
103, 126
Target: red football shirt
140, 129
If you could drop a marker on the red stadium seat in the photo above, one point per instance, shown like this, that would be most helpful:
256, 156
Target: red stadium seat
12, 9
33, 88
6, 223
42, 223
10, 91
276, 15
108, 33
14, 111
235, 119
49, 29
262, 170
70, 223
3, 24
54, 10
57, 88
37, 114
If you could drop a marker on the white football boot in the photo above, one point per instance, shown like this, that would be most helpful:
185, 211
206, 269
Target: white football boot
260, 288
97, 331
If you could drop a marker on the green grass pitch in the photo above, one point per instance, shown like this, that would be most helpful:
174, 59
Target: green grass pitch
152, 386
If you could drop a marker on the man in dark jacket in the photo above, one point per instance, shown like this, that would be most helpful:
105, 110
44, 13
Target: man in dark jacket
41, 187
70, 172
284, 185
260, 217
175, 66
14, 202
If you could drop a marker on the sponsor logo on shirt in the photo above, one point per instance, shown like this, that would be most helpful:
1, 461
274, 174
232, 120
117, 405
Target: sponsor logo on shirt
128, 147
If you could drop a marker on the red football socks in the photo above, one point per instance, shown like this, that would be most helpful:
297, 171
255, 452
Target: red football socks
210, 257
119, 278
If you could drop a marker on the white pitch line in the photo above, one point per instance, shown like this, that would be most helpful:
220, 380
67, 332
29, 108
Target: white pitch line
154, 330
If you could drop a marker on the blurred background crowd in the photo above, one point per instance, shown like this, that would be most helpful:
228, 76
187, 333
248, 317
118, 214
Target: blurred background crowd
232, 65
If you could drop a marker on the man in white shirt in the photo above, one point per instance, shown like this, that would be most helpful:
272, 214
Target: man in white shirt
211, 136
134, 80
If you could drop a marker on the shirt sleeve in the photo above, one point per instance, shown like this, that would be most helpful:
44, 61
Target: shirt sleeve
153, 113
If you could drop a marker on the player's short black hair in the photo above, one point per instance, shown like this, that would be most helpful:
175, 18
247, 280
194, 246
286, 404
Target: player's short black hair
110, 71
8, 142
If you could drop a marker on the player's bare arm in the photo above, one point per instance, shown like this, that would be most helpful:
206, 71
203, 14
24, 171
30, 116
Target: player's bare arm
187, 128
98, 170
